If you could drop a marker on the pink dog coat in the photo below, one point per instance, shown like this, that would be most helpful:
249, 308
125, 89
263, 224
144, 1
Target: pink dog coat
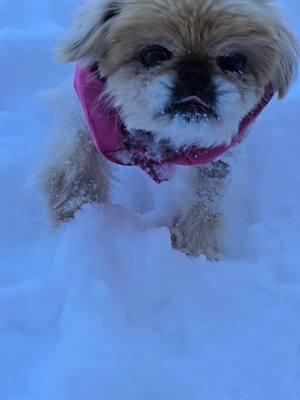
111, 138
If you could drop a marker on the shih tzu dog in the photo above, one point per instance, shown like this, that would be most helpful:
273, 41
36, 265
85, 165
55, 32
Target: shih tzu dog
164, 82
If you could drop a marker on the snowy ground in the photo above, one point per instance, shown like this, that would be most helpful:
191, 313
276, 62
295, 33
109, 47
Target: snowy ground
106, 309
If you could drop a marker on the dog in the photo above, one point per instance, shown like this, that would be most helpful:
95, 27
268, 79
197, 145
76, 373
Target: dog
180, 77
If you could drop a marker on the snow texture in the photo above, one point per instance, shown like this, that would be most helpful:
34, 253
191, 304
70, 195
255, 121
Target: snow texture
106, 308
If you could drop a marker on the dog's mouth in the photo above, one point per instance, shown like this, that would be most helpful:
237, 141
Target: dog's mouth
192, 109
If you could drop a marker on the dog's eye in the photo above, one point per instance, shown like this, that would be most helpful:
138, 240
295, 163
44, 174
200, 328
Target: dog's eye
234, 62
155, 55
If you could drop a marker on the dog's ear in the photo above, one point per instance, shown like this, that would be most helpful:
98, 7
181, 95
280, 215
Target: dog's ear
88, 31
287, 67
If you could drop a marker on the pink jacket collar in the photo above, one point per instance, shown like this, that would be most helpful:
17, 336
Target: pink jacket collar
109, 136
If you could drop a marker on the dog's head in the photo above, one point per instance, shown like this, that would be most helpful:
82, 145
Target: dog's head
187, 71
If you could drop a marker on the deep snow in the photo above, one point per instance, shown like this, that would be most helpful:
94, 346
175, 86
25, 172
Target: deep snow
106, 308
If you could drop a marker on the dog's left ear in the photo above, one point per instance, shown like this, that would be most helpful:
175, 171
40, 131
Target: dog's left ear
287, 67
87, 35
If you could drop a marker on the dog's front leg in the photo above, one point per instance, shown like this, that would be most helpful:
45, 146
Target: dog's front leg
77, 175
199, 229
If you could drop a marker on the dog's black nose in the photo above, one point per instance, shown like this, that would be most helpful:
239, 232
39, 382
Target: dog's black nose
195, 78
194, 92
194, 74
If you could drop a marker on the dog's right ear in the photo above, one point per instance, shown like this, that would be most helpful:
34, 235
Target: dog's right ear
89, 31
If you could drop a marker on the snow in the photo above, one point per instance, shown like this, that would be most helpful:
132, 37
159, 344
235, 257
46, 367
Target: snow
106, 308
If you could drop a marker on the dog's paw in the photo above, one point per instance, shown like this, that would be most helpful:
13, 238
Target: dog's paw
195, 238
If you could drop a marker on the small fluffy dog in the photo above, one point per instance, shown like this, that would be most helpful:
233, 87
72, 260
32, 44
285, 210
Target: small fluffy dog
179, 74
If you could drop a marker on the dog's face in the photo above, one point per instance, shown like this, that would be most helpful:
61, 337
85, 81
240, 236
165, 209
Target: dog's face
187, 71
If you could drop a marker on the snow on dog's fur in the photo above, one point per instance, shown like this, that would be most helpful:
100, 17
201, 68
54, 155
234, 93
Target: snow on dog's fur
187, 72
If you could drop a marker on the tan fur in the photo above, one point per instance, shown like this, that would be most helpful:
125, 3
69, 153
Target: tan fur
199, 228
81, 176
205, 28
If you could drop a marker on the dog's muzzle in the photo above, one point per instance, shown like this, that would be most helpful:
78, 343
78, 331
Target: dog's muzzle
194, 93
